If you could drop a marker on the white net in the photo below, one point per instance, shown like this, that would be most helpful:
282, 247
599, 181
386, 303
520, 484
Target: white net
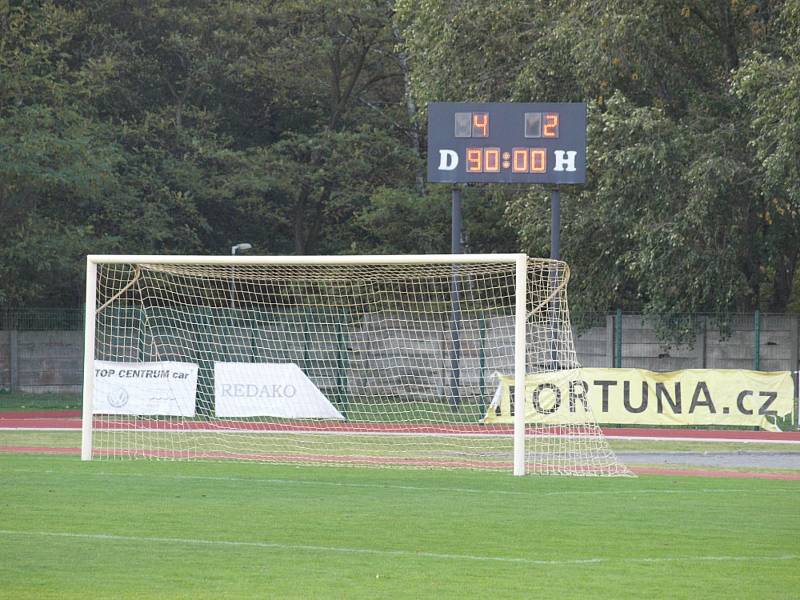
344, 364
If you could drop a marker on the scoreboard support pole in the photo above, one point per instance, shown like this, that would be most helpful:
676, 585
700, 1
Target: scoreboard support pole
555, 224
455, 299
555, 254
455, 227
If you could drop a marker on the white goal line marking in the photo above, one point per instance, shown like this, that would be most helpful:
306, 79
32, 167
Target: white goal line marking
388, 552
417, 488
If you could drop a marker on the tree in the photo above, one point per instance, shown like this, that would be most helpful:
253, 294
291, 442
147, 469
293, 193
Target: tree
157, 126
345, 133
769, 83
57, 160
184, 127
672, 218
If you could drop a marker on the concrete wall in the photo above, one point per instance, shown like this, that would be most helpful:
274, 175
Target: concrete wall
51, 361
595, 347
778, 346
41, 361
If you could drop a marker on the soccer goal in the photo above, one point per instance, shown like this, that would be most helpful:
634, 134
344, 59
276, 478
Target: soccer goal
335, 360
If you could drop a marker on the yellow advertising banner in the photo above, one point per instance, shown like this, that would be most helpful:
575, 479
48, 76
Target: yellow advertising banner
639, 397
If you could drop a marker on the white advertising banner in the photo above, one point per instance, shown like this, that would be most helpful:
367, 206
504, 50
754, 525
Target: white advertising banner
150, 388
269, 390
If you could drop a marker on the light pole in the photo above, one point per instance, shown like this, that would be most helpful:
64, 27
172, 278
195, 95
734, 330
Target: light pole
240, 248
234, 249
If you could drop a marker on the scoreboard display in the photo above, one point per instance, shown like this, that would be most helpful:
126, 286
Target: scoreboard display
507, 142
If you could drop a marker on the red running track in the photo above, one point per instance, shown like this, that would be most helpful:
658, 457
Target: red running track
72, 420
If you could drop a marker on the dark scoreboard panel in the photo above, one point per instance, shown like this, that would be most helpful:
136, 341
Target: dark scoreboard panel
542, 142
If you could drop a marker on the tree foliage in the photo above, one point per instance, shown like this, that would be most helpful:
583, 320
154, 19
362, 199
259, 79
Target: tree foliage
156, 126
690, 204
185, 127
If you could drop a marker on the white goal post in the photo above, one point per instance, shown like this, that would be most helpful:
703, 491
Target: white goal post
341, 360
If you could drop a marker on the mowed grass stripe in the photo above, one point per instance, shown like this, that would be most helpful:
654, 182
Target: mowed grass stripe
389, 552
304, 532
433, 490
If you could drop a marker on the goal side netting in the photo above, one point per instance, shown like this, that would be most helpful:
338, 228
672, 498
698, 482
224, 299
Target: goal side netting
385, 361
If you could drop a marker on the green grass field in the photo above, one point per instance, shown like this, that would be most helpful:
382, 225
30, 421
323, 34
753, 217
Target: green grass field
141, 529
15, 401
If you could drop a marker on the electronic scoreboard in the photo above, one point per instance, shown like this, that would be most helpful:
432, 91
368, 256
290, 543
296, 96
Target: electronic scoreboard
507, 142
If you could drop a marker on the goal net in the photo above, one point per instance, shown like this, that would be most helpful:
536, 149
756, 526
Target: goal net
359, 360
